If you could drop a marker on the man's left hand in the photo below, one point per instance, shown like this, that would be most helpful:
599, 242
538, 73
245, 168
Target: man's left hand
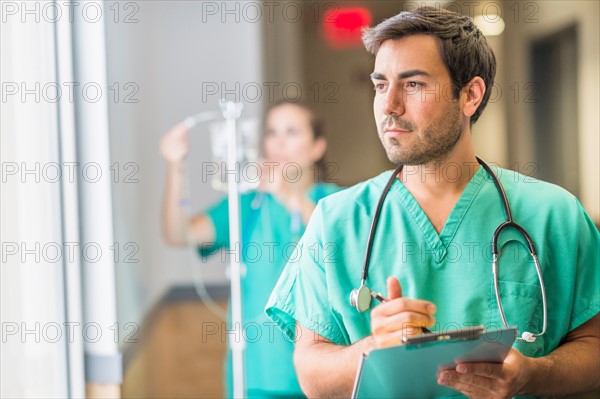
486, 380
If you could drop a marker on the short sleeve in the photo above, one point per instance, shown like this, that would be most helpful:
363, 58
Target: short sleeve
219, 217
587, 288
301, 293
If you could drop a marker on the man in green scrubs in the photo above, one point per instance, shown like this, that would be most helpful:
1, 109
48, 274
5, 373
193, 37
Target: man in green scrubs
432, 252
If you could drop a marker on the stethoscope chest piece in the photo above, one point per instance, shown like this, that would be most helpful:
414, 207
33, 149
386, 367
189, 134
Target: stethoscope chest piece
360, 298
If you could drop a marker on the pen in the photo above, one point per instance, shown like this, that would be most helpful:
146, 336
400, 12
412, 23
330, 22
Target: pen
383, 299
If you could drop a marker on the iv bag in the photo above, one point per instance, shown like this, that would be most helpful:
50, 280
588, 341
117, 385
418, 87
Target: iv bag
247, 170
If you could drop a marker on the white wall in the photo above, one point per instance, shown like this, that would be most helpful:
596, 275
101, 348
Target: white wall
173, 49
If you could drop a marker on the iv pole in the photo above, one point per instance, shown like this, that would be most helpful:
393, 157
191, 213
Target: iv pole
231, 112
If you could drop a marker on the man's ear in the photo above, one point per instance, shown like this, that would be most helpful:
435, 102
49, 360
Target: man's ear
472, 96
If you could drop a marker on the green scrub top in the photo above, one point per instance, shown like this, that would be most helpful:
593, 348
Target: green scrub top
270, 234
451, 269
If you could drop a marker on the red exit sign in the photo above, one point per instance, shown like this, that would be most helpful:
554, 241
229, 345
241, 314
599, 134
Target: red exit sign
342, 28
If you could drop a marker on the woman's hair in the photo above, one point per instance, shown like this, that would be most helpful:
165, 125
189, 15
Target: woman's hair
463, 47
316, 126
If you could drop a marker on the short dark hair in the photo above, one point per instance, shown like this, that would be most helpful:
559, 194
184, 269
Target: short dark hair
463, 47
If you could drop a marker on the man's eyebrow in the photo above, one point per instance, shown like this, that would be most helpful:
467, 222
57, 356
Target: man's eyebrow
403, 75
411, 73
377, 76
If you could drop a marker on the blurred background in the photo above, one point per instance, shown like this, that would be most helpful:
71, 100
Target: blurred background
88, 90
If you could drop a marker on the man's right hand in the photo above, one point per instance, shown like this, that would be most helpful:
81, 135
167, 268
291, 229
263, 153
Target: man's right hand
400, 317
175, 145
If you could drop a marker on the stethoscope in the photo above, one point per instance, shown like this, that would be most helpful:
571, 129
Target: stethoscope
360, 298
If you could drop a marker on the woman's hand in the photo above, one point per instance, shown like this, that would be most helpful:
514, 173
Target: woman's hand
174, 146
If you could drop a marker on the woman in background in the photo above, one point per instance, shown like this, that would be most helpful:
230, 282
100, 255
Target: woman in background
273, 218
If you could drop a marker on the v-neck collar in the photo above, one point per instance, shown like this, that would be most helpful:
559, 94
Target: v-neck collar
439, 243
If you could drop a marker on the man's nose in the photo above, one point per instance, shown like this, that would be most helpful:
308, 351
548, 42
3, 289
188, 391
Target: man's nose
393, 102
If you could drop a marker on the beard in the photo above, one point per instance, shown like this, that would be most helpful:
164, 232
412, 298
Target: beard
431, 144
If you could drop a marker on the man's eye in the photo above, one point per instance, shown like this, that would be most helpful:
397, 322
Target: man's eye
379, 86
414, 85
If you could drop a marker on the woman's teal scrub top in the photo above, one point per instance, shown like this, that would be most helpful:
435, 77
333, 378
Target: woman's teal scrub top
452, 269
269, 237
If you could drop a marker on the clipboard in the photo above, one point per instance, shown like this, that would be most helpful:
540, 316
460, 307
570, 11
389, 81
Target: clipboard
410, 370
